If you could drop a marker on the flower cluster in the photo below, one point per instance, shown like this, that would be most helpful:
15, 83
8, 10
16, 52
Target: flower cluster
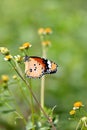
44, 31
76, 106
46, 43
8, 56
6, 53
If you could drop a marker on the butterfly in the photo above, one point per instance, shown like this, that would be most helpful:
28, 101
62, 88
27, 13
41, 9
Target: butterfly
36, 67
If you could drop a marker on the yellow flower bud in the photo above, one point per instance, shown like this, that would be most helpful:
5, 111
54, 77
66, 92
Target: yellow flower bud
46, 43
4, 50
4, 78
26, 45
8, 57
72, 112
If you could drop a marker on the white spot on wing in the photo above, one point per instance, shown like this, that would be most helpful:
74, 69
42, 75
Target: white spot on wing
49, 64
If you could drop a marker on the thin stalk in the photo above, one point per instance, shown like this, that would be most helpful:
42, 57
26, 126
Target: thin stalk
32, 106
78, 125
28, 87
31, 98
42, 91
43, 80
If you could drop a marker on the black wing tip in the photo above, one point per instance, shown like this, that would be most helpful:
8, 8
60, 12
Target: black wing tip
52, 72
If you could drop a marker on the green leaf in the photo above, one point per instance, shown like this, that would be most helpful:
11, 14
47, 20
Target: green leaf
30, 126
7, 111
44, 128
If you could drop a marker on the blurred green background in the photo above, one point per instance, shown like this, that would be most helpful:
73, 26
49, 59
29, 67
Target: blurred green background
20, 21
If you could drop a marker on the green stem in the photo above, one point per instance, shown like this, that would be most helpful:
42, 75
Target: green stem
43, 78
42, 91
32, 106
78, 125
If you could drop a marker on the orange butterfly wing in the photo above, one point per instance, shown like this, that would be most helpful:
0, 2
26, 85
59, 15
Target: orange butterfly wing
36, 67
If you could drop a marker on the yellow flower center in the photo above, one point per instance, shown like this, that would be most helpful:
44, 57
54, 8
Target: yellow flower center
5, 78
26, 45
48, 31
72, 112
78, 104
41, 31
46, 43
8, 57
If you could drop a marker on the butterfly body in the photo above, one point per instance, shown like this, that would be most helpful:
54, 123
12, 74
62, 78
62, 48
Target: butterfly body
36, 67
